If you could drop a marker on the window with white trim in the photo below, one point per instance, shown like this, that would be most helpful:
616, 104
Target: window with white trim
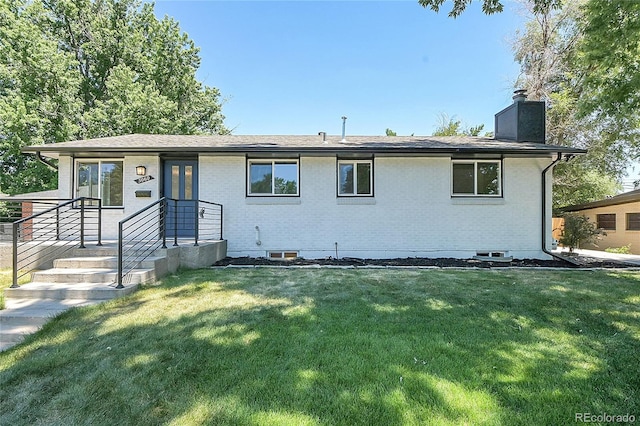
101, 179
476, 178
272, 178
355, 178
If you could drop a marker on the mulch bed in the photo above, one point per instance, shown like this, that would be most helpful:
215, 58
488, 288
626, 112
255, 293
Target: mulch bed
577, 261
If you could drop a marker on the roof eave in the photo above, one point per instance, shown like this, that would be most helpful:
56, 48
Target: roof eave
52, 152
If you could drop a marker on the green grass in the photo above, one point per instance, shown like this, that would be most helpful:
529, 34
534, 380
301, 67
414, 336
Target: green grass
322, 346
5, 282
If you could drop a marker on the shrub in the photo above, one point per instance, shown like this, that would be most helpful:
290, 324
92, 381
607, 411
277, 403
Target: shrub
578, 230
619, 250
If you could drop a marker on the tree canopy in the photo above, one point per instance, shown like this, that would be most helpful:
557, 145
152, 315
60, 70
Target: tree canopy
449, 126
583, 59
75, 69
551, 51
488, 6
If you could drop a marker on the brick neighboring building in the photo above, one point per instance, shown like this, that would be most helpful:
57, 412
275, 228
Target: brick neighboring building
618, 216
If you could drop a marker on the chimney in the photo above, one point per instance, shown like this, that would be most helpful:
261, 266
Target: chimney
344, 123
522, 121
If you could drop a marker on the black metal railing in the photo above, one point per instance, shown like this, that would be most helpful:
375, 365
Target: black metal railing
148, 230
48, 229
139, 236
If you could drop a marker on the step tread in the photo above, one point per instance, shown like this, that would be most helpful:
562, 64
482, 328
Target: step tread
66, 271
64, 292
48, 285
39, 308
88, 275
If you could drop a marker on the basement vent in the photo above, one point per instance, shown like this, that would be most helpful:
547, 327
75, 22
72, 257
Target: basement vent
490, 253
282, 255
494, 256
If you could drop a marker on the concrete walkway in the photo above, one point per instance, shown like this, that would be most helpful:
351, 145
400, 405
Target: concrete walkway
25, 316
633, 259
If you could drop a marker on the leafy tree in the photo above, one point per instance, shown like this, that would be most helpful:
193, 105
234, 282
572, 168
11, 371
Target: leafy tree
610, 57
578, 230
475, 130
74, 69
586, 51
488, 6
390, 132
547, 51
448, 126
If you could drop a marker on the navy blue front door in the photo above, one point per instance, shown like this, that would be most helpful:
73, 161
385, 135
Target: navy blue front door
181, 184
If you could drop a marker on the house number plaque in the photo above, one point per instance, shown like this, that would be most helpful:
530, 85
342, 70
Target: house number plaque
143, 179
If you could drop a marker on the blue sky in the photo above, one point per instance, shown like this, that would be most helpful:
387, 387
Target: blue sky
296, 67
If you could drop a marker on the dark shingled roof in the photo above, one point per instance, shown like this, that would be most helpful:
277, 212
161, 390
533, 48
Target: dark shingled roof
310, 144
627, 197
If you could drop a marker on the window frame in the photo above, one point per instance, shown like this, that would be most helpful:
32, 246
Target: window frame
628, 221
599, 221
273, 162
475, 162
354, 161
99, 161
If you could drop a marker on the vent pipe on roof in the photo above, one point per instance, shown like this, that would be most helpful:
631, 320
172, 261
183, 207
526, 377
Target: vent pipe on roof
324, 136
344, 123
519, 95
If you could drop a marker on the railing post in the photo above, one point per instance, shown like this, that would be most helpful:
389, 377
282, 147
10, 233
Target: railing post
196, 204
175, 222
120, 255
163, 222
58, 224
99, 221
221, 223
82, 222
15, 256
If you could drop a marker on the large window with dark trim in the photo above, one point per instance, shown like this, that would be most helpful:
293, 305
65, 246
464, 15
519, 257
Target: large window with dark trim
100, 179
355, 178
606, 221
272, 178
633, 221
476, 178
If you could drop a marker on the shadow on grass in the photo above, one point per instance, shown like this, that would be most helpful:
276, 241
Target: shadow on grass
338, 347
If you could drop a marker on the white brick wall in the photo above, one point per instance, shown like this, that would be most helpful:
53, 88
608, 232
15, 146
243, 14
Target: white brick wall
413, 212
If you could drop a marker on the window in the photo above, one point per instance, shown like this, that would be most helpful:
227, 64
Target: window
477, 178
606, 221
101, 179
633, 221
273, 177
355, 178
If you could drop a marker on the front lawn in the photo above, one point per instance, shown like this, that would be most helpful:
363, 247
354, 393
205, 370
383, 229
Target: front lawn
325, 346
6, 279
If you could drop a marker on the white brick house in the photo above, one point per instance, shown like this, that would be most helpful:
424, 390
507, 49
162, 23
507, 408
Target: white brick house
317, 196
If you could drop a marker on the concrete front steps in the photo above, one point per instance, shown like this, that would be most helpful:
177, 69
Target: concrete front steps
88, 278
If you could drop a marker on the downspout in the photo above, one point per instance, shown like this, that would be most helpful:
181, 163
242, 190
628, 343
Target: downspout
544, 206
45, 162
